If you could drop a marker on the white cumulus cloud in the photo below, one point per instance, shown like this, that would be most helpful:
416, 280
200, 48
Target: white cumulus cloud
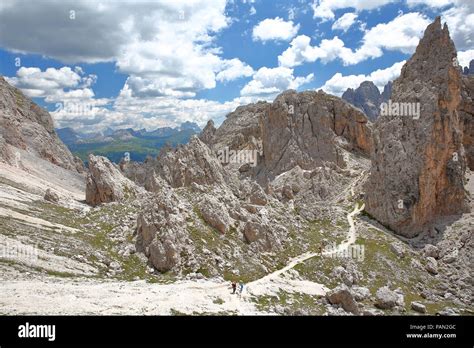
401, 34
268, 82
465, 57
345, 21
324, 9
233, 69
275, 29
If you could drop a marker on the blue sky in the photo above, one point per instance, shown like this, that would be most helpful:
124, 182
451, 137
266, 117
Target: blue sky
158, 63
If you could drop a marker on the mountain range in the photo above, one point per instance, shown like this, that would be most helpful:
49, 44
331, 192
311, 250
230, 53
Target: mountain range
113, 144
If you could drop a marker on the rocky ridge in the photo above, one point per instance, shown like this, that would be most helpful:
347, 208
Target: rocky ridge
25, 125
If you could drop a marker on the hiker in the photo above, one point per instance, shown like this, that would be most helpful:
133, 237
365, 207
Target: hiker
234, 287
241, 288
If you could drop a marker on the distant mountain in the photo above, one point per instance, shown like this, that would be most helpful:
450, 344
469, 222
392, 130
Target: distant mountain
115, 143
68, 135
368, 98
190, 126
470, 69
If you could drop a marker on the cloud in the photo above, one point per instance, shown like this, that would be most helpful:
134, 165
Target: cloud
338, 84
301, 51
465, 57
345, 21
460, 20
401, 34
458, 14
233, 69
164, 45
324, 9
274, 29
146, 112
268, 82
68, 89
52, 83
429, 3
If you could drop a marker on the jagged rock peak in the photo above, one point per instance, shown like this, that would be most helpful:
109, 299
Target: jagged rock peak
365, 97
435, 51
208, 132
417, 175
190, 163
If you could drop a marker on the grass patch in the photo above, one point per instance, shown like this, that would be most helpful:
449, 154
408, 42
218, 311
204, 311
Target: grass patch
292, 304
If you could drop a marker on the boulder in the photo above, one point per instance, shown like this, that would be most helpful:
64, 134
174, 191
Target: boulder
360, 293
255, 232
386, 298
431, 265
51, 196
215, 214
430, 250
258, 196
341, 295
397, 249
451, 256
418, 307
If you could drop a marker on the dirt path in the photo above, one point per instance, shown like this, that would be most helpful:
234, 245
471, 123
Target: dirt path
274, 280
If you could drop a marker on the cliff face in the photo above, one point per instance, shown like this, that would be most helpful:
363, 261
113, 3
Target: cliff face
105, 183
466, 114
310, 128
27, 126
418, 161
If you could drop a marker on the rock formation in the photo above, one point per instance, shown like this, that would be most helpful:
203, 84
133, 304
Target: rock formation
160, 231
27, 126
51, 196
105, 183
208, 133
418, 162
240, 130
309, 128
193, 162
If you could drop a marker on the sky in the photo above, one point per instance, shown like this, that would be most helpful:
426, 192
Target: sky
148, 64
